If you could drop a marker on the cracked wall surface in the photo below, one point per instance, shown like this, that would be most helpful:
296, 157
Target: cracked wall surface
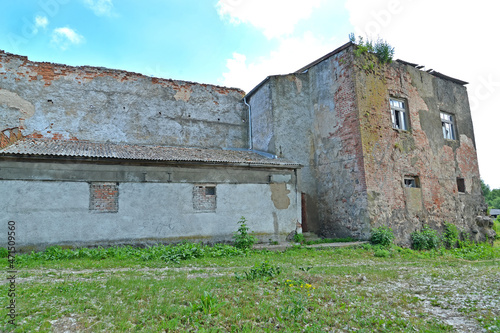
53, 101
422, 151
334, 118
77, 203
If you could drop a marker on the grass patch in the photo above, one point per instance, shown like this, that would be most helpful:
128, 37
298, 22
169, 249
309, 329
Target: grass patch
193, 288
330, 240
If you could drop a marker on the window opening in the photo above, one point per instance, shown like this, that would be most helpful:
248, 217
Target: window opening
448, 125
461, 185
411, 182
398, 114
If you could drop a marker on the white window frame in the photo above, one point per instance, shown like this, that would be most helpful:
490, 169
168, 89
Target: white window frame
411, 181
398, 114
448, 125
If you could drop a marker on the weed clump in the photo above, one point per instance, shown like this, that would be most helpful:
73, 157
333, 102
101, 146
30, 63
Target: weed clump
264, 271
298, 238
426, 239
382, 236
451, 235
243, 239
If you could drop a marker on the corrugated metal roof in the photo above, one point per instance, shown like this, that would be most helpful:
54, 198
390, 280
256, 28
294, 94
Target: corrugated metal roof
495, 212
42, 147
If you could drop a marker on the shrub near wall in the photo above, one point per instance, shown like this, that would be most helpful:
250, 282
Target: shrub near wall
426, 239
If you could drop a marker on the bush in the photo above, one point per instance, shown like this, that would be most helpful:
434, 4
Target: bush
427, 239
242, 238
451, 235
382, 236
496, 227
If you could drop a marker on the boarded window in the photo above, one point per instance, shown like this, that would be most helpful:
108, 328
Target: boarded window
204, 198
103, 197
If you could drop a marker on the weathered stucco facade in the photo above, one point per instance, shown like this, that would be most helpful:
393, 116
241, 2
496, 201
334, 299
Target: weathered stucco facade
93, 156
87, 203
356, 144
55, 101
334, 117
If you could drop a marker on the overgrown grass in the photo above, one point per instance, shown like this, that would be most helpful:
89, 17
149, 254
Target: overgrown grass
191, 287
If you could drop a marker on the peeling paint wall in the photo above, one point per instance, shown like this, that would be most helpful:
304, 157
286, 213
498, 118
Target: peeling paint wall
46, 100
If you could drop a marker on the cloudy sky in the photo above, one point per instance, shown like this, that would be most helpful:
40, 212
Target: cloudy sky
238, 43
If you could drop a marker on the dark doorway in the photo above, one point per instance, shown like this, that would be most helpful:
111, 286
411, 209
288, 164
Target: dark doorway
304, 212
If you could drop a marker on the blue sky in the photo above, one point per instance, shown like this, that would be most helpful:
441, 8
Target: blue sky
238, 43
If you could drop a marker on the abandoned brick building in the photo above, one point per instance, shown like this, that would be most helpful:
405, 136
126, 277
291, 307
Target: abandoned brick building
97, 156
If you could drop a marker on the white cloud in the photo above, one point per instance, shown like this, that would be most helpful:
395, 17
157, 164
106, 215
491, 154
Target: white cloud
100, 7
65, 37
275, 18
291, 55
41, 22
454, 38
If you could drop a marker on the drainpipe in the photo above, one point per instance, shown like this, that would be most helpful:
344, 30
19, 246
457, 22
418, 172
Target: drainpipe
250, 139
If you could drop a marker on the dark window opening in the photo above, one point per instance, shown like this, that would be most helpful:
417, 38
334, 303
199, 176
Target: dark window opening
461, 185
412, 182
209, 190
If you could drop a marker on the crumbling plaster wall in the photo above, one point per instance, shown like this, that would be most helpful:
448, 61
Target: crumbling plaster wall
282, 124
337, 148
46, 100
422, 151
49, 202
312, 119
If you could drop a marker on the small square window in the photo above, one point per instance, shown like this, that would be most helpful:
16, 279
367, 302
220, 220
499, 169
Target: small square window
210, 190
398, 114
461, 185
448, 125
411, 181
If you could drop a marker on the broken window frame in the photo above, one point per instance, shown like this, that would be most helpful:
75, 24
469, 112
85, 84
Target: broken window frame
398, 114
411, 181
448, 125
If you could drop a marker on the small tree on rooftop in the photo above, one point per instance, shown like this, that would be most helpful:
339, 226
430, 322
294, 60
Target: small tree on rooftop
383, 50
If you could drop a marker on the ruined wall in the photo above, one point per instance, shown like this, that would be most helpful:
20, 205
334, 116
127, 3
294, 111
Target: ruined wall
61, 203
45, 100
282, 124
315, 123
421, 151
337, 148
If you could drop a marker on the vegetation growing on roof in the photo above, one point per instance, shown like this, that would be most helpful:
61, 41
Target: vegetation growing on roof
383, 50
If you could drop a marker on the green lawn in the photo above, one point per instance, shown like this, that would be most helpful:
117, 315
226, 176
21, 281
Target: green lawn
299, 290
